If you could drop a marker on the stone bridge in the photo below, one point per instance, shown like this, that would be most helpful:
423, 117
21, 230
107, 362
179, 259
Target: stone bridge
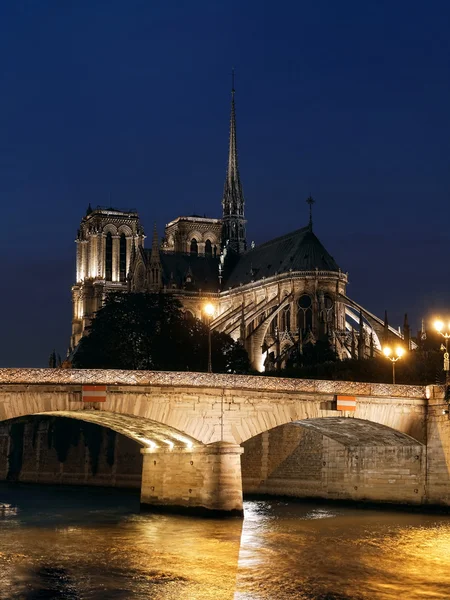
392, 445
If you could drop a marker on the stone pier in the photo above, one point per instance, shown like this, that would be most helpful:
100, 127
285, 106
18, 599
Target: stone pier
199, 480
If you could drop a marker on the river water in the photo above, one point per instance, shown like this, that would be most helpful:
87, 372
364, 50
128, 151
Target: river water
94, 544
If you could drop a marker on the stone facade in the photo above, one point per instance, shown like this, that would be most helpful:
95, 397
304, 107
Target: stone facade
105, 242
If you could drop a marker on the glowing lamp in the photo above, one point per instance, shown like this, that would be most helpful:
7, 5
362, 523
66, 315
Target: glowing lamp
387, 351
438, 325
399, 351
209, 309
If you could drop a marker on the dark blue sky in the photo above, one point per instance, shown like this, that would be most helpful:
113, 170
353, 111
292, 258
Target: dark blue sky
127, 103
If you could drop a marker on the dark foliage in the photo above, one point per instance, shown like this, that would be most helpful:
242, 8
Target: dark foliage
418, 367
149, 331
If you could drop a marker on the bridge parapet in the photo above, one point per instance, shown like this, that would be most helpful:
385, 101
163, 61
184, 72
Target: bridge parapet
206, 380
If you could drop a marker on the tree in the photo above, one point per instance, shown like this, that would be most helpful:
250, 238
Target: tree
417, 367
150, 331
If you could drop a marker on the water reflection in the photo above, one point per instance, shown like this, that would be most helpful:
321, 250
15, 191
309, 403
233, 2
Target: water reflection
310, 553
91, 544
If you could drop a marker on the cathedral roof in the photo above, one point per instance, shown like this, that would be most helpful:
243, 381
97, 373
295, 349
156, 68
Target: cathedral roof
189, 271
300, 250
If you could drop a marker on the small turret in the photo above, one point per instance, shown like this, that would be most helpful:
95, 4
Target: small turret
155, 269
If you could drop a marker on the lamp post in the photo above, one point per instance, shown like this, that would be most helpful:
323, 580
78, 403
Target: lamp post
393, 357
439, 326
209, 311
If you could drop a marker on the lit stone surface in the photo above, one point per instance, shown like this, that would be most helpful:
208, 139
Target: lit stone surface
181, 412
171, 378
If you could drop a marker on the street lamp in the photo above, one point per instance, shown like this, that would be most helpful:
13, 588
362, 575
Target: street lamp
393, 357
439, 326
209, 311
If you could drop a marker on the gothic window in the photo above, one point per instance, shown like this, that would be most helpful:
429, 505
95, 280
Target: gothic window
188, 315
273, 325
123, 258
304, 313
286, 319
194, 246
328, 306
108, 257
208, 248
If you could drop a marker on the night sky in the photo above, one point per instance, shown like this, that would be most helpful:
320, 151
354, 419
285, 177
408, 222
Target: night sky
127, 103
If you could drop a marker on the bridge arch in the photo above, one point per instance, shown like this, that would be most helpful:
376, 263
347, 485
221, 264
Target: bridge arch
336, 458
307, 411
147, 432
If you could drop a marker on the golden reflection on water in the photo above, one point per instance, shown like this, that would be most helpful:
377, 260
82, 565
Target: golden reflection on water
101, 548
288, 551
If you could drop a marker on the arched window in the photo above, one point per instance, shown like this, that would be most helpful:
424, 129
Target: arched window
208, 248
286, 319
273, 325
304, 313
194, 246
328, 309
123, 258
108, 257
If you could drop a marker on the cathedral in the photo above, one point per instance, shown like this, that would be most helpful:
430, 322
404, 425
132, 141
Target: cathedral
276, 297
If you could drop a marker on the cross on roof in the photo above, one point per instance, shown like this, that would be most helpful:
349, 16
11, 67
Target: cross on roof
310, 201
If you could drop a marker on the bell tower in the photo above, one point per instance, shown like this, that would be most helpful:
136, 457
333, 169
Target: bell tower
104, 243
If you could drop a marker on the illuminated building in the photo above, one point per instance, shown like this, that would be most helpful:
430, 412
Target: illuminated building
276, 297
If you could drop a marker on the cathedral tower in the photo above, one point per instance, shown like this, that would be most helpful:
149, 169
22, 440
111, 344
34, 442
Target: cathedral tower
233, 221
104, 244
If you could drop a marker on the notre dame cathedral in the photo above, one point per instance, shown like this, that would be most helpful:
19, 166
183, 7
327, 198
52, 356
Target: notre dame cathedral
275, 297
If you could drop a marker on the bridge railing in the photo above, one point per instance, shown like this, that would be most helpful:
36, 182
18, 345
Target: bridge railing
209, 380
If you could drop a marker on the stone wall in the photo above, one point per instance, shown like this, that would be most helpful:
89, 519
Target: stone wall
118, 459
196, 479
438, 469
298, 461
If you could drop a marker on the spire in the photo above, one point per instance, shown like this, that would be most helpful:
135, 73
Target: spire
406, 332
423, 332
310, 201
154, 256
386, 328
233, 228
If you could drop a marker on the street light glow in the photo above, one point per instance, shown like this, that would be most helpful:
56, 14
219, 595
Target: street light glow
438, 325
209, 309
393, 356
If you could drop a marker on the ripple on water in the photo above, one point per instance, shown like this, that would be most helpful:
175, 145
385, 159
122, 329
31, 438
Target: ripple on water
94, 545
